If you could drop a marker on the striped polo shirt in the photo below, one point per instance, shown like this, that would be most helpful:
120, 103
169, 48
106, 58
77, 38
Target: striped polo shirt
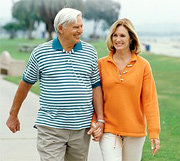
66, 82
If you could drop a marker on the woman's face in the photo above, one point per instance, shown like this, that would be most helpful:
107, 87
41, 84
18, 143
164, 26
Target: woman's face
121, 39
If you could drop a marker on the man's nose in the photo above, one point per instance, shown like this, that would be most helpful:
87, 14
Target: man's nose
80, 30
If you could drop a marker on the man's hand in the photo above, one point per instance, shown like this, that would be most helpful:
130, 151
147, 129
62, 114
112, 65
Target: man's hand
155, 145
96, 130
21, 93
13, 124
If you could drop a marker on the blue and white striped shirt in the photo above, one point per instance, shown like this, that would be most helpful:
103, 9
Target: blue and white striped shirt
66, 82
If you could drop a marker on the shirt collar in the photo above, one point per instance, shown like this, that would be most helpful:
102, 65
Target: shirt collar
133, 58
57, 46
110, 56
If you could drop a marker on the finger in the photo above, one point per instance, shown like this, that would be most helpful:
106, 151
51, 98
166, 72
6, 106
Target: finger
155, 151
18, 127
96, 139
14, 129
94, 125
97, 130
157, 142
98, 136
91, 130
97, 133
152, 144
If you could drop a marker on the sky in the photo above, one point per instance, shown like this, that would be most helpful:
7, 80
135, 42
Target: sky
151, 11
140, 12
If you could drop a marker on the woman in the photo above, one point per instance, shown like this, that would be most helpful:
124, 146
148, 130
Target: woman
130, 97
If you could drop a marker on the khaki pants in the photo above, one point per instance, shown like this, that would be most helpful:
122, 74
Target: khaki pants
115, 148
62, 145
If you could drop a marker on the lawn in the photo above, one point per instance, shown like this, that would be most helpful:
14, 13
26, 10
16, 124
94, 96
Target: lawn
166, 71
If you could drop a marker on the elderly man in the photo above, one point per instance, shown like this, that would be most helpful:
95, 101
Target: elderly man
70, 87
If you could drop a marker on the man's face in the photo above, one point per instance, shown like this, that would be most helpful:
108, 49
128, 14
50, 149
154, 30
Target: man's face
72, 32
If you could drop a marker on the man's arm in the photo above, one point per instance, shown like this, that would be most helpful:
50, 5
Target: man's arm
97, 129
21, 93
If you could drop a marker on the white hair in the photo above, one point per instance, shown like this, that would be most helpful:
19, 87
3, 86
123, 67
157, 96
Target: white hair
66, 16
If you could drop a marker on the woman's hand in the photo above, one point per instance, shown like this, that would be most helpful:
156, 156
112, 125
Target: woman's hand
155, 145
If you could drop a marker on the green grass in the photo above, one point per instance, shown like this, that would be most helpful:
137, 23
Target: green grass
166, 71
13, 47
101, 48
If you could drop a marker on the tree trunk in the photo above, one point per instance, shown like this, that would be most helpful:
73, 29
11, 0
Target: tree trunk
49, 28
50, 35
30, 34
30, 29
12, 34
94, 29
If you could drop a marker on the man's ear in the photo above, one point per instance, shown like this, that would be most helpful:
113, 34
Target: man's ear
60, 29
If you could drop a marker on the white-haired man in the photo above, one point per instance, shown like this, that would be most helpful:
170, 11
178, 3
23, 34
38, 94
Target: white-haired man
70, 86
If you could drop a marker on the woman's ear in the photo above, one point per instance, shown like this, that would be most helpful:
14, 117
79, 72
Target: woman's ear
130, 42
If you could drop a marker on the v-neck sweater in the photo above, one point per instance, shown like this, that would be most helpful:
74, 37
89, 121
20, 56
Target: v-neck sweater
130, 98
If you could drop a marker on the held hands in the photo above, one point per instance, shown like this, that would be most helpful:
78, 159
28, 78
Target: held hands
96, 130
155, 145
13, 124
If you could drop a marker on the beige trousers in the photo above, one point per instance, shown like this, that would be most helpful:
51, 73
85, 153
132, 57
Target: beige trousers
62, 145
118, 148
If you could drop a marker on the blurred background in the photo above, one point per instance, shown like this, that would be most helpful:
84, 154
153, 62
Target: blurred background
24, 24
157, 22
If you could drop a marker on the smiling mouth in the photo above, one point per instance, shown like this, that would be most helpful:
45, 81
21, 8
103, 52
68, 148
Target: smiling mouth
118, 44
77, 36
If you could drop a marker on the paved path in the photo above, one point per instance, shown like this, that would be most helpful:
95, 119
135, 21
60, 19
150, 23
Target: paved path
21, 146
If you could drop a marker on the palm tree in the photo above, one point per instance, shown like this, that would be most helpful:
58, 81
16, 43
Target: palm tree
47, 10
24, 12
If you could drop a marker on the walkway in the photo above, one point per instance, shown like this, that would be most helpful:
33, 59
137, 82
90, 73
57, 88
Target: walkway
21, 146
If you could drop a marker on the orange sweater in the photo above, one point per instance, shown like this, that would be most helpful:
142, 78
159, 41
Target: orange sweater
129, 99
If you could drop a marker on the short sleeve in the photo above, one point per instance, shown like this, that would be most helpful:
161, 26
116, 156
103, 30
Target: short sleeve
31, 73
95, 78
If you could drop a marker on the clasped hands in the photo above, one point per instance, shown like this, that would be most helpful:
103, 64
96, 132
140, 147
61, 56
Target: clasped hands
96, 130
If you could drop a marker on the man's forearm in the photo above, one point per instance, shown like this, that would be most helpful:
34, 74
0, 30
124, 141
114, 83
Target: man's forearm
98, 102
20, 96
